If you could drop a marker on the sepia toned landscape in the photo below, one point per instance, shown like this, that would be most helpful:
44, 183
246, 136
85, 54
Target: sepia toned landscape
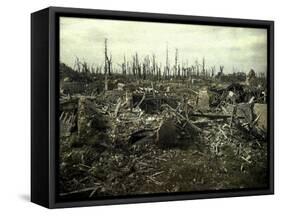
151, 108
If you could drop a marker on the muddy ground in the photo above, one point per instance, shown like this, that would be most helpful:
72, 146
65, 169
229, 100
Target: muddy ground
125, 154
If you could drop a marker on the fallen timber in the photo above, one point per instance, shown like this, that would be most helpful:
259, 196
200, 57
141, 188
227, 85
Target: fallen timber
152, 103
187, 122
214, 116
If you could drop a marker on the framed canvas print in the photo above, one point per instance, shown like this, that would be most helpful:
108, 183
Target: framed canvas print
138, 107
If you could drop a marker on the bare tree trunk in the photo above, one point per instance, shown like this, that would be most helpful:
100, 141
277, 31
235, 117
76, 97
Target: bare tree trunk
105, 65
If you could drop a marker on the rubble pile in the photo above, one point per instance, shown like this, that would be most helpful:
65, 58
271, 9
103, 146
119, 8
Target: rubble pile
162, 138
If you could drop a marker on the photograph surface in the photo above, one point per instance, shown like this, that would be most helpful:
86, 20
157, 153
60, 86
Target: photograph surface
160, 108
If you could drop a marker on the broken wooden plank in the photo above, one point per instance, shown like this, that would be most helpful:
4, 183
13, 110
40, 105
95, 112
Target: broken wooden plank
118, 105
213, 115
83, 190
143, 97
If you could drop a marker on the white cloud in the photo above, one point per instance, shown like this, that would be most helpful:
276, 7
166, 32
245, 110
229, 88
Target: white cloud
242, 48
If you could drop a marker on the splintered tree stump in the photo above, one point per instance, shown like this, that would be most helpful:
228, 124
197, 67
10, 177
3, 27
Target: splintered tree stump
89, 122
203, 100
83, 117
167, 134
261, 109
243, 110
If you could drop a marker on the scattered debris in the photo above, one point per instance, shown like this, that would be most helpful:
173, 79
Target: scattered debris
163, 136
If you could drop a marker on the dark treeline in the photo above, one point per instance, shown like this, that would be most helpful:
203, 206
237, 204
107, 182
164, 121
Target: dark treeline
149, 68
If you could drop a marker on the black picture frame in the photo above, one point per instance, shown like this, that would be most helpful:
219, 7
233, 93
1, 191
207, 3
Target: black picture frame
44, 103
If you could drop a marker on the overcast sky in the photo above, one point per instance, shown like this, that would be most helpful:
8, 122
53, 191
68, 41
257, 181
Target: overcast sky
242, 48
